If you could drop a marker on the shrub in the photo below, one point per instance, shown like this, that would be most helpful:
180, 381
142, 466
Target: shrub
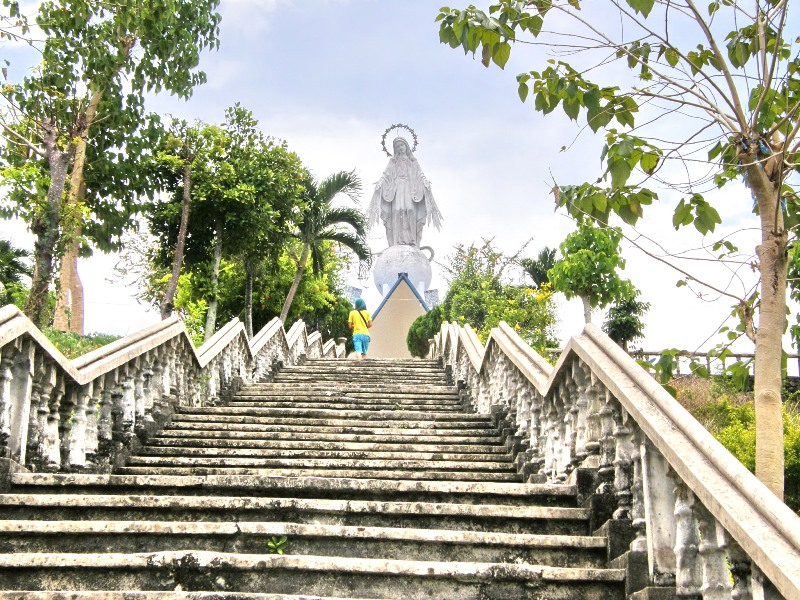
423, 329
73, 345
733, 423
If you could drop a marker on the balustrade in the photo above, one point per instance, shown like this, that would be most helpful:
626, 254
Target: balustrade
704, 525
85, 414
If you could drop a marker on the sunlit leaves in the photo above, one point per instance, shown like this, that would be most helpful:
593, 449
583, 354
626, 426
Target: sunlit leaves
587, 201
697, 210
623, 153
589, 264
641, 6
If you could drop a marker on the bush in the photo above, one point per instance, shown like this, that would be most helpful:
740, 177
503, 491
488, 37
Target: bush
733, 423
73, 345
422, 330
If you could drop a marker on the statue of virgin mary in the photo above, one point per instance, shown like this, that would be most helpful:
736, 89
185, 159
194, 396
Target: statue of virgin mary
403, 199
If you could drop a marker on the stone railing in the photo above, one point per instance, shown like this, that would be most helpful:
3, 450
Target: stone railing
89, 413
682, 514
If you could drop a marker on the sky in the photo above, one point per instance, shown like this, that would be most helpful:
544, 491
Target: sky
329, 76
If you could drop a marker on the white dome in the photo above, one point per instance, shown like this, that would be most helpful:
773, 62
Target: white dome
402, 259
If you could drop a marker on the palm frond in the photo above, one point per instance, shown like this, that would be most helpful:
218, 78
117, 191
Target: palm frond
343, 182
347, 216
317, 259
355, 243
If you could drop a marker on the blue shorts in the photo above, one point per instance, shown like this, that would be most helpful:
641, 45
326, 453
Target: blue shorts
361, 343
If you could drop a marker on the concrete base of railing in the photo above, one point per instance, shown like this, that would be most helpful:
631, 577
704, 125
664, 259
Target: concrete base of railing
7, 468
654, 593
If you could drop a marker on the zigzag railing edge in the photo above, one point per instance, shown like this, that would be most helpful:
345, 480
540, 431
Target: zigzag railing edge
701, 522
88, 413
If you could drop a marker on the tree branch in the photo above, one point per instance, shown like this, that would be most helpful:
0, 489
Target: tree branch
722, 65
23, 140
768, 75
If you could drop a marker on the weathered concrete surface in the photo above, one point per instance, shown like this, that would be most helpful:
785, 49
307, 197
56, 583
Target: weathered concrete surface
389, 493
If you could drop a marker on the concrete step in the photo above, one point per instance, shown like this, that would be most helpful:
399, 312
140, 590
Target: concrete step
369, 366
454, 516
379, 465
396, 543
314, 403
285, 433
409, 384
161, 595
409, 490
361, 398
327, 413
318, 451
331, 472
379, 421
365, 400
396, 378
331, 576
219, 444
334, 426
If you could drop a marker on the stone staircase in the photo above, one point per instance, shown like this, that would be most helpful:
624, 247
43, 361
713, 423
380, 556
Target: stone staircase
338, 479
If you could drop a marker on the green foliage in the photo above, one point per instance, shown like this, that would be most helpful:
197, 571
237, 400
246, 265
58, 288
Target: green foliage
330, 319
734, 425
423, 329
537, 268
322, 223
13, 265
79, 117
480, 296
588, 269
73, 345
17, 294
793, 283
277, 544
247, 191
624, 319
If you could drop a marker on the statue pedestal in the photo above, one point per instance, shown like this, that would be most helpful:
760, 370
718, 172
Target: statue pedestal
402, 259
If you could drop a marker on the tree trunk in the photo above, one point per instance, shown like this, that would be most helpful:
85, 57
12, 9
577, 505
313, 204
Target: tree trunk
47, 229
301, 267
69, 304
211, 315
773, 264
69, 307
167, 304
248, 301
587, 309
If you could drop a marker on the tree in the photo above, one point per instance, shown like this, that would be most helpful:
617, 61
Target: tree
726, 77
12, 263
480, 295
588, 269
624, 319
323, 222
83, 108
537, 268
246, 195
186, 149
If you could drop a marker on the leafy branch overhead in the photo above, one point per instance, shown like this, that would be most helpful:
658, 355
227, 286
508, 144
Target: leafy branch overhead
760, 127
690, 97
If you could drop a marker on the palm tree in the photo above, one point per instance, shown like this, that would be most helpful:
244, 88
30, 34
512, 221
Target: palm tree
537, 269
324, 222
12, 263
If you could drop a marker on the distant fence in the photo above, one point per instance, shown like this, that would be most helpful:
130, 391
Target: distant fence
713, 363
